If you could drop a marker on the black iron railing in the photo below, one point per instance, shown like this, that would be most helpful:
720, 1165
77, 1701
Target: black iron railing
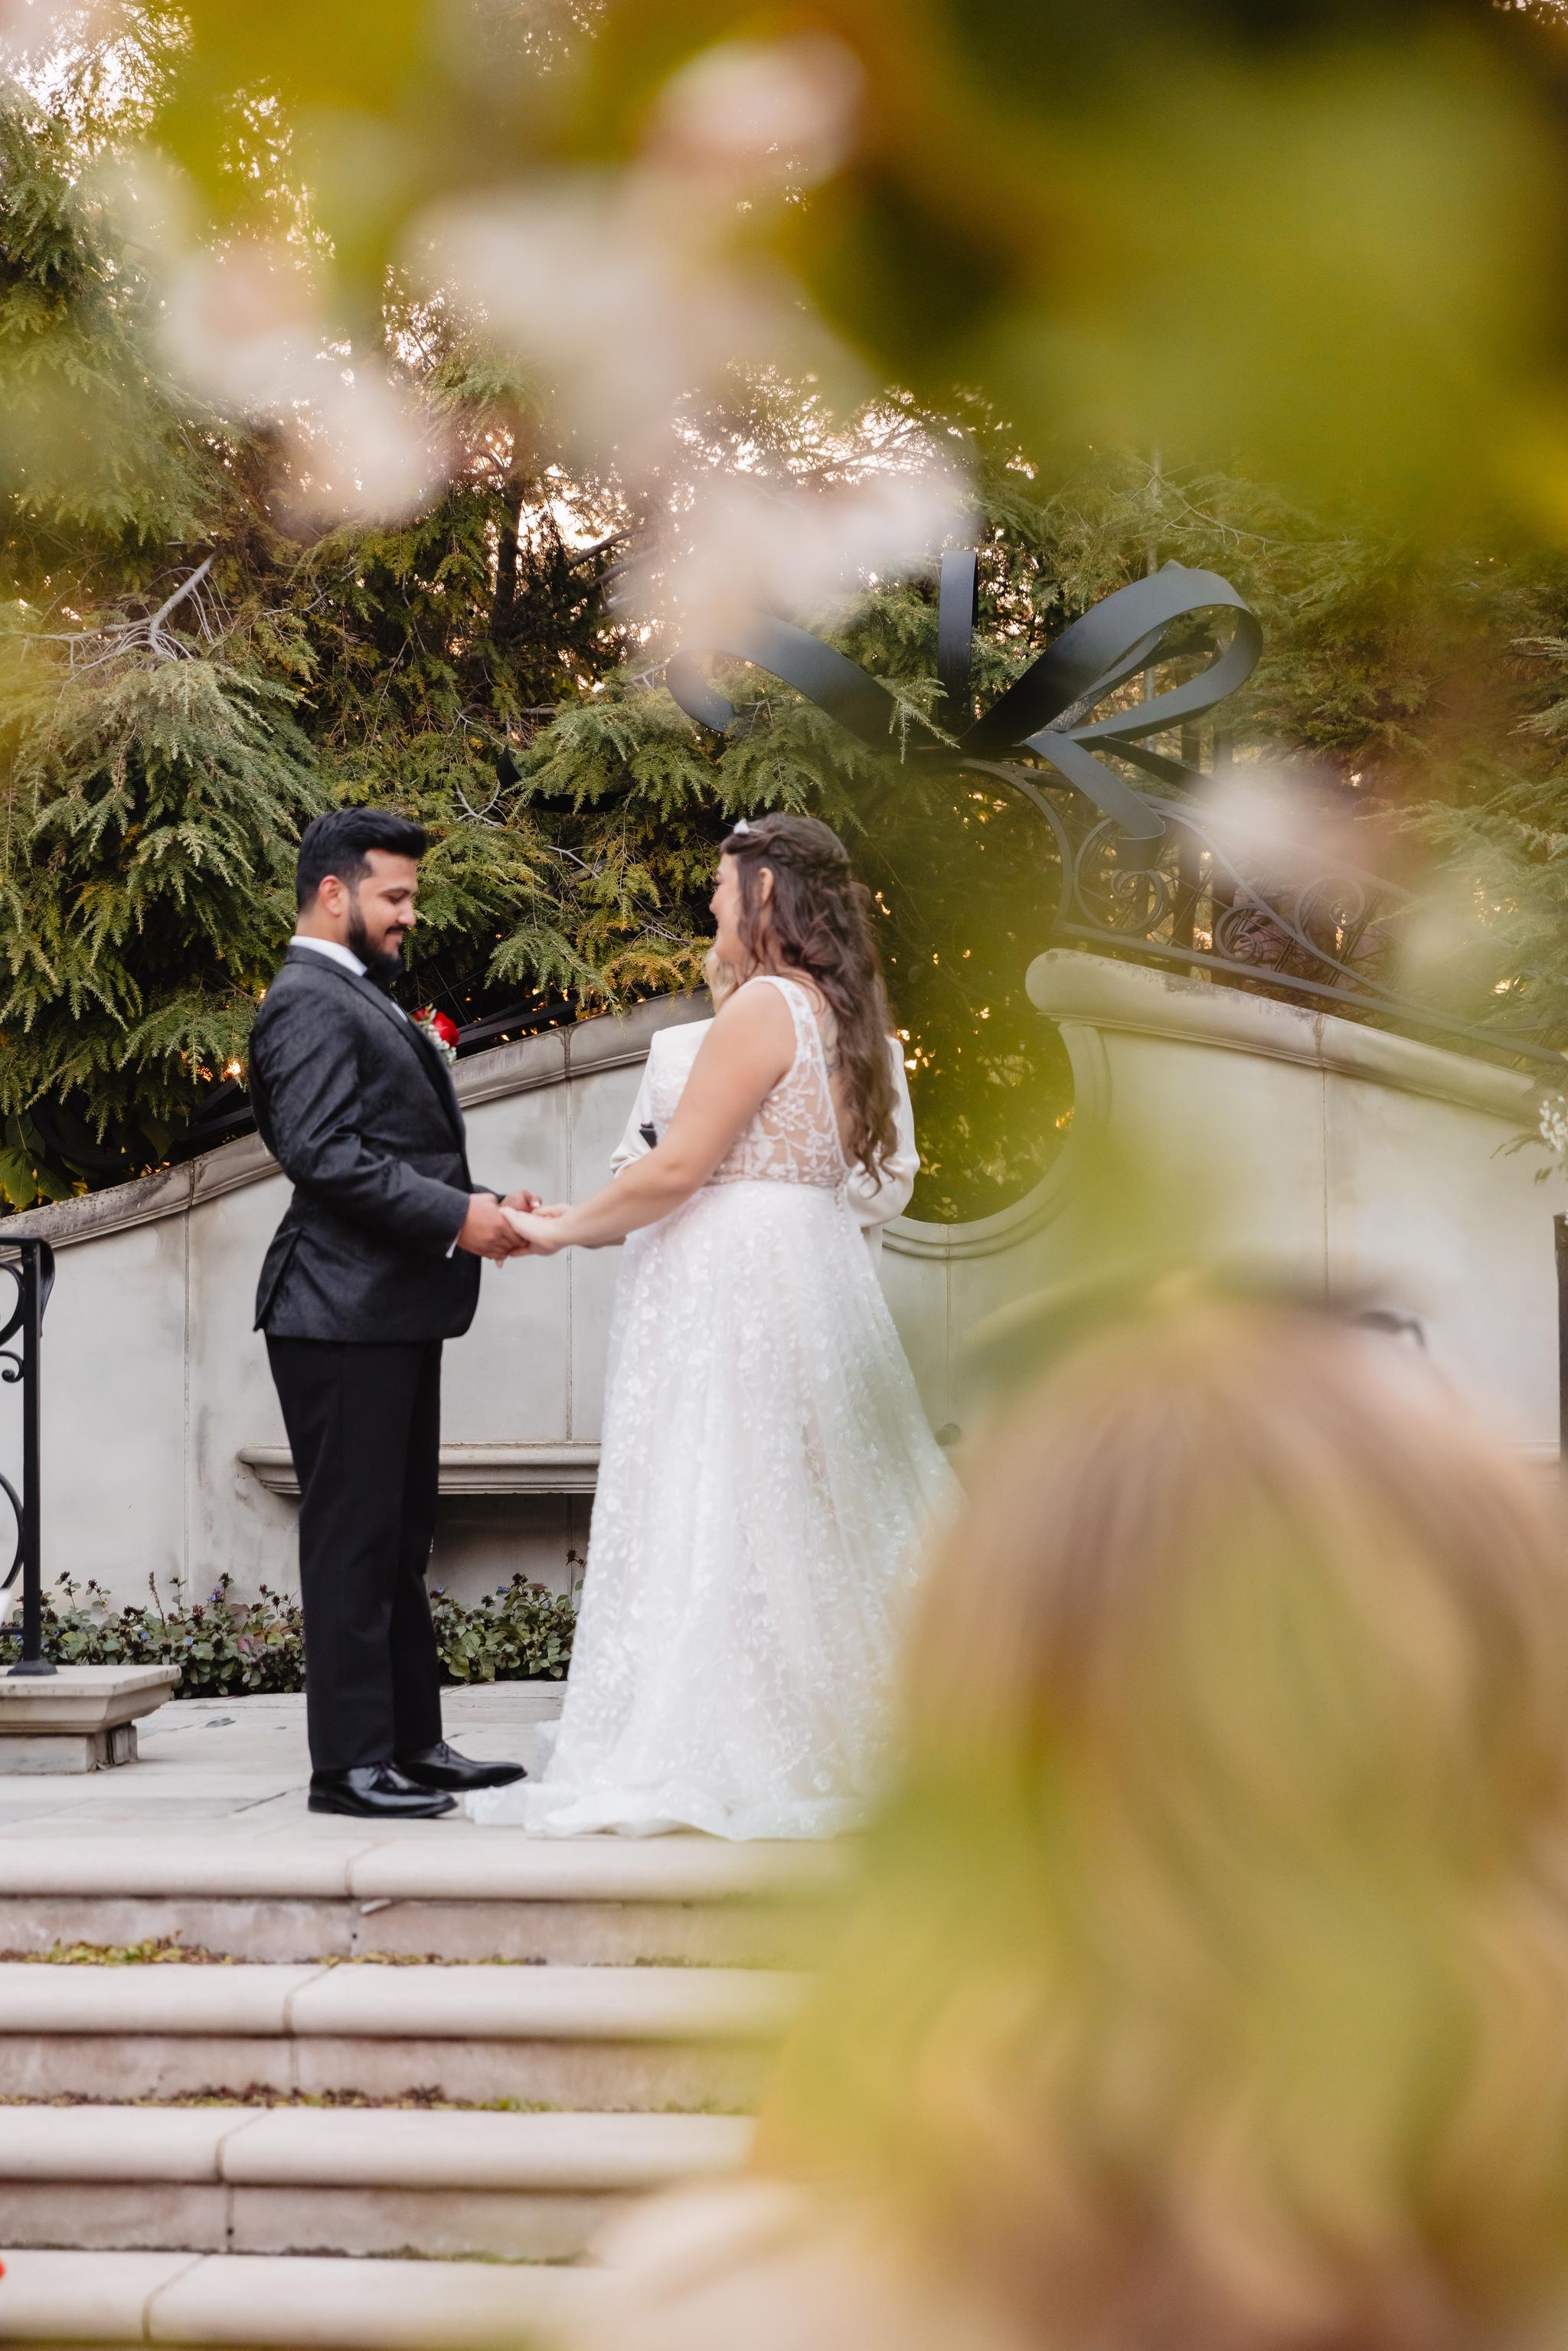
1312, 930
31, 1267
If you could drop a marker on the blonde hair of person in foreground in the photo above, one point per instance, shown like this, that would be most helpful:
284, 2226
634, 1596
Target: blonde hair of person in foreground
1207, 1984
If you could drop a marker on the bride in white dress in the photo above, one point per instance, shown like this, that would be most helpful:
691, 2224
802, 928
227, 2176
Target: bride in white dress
874, 1199
767, 1473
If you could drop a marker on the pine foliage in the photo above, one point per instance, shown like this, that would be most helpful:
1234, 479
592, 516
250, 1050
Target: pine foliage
1412, 701
154, 773
186, 677
188, 670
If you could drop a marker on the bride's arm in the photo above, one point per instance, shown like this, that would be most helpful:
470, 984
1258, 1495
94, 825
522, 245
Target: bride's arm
739, 1063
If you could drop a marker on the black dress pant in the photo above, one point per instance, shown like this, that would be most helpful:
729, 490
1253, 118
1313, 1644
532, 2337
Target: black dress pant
365, 1428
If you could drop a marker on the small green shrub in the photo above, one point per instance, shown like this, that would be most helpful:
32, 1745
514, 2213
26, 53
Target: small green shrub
232, 1648
518, 1633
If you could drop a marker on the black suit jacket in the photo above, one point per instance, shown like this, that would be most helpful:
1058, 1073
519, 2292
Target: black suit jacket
362, 1114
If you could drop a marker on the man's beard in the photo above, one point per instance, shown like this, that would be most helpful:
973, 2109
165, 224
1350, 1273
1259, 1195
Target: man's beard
382, 969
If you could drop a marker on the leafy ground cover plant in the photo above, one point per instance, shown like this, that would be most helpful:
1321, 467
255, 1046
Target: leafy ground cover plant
226, 1647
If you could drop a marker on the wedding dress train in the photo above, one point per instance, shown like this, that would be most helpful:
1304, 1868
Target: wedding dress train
765, 1477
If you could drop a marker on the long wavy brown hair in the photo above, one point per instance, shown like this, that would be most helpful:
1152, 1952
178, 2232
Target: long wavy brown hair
818, 923
1209, 1986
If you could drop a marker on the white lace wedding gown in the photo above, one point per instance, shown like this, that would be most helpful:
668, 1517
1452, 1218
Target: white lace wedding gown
765, 1477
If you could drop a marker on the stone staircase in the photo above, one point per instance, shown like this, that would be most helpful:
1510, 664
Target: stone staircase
322, 2088
622, 2037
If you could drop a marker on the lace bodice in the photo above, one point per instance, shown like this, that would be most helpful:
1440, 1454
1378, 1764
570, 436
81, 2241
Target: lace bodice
793, 1138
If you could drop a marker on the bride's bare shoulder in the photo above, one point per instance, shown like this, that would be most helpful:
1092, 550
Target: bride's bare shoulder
757, 1009
747, 1048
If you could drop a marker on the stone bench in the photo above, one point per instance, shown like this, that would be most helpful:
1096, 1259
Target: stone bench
80, 1717
464, 1468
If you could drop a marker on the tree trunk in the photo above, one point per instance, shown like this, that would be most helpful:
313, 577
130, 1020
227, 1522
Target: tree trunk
502, 608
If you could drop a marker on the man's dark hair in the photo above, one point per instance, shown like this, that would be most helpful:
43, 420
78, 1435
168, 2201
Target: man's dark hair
339, 842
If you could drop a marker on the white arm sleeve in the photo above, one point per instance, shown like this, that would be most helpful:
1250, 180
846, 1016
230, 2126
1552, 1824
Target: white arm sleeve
875, 1200
634, 1144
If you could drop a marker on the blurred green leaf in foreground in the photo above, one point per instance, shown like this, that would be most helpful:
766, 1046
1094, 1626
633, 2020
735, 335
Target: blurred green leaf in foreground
441, 361
1330, 236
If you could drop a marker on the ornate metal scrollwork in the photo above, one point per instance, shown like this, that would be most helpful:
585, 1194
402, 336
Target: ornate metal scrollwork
1319, 931
1049, 712
12, 1368
14, 1569
30, 1264
1145, 874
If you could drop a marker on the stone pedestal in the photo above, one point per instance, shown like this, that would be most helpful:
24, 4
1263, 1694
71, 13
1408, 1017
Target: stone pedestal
81, 1718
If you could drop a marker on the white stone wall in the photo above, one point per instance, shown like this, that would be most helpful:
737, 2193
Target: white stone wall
1340, 1153
1366, 1163
155, 1383
1218, 1124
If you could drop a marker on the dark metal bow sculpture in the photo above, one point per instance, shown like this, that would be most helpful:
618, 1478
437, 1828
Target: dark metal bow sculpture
1049, 711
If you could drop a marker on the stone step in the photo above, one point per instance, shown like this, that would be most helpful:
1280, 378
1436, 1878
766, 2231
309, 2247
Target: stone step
430, 1889
589, 2038
226, 2179
242, 2302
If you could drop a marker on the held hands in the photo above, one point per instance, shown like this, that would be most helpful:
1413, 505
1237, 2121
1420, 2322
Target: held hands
539, 1231
487, 1229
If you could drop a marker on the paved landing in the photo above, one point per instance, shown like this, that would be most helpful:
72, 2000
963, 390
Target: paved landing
226, 1768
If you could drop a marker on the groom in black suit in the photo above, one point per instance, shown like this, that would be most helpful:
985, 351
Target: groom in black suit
375, 1263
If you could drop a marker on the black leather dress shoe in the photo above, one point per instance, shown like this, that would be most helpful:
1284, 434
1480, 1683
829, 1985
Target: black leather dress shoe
377, 1791
441, 1767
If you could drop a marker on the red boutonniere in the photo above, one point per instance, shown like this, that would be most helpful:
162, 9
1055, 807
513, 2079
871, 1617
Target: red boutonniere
441, 1031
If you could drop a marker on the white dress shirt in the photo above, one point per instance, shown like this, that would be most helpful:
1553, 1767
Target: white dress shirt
346, 957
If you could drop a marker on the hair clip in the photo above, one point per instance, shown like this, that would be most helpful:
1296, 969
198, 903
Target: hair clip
742, 824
